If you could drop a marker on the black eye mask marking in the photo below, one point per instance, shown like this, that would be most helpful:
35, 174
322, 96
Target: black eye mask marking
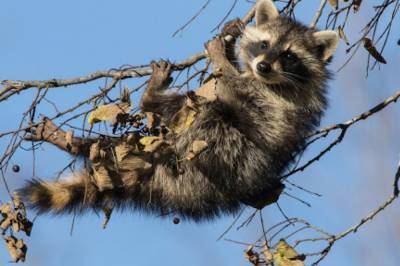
292, 64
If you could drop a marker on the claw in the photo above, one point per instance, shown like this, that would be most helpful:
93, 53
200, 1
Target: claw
233, 28
161, 74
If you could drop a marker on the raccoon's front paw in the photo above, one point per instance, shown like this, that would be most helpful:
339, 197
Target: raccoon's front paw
161, 76
234, 28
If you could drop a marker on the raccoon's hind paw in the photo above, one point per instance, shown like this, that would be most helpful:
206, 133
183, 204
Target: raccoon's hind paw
161, 76
234, 28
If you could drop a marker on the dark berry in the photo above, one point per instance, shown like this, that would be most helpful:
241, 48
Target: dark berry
398, 42
16, 168
176, 220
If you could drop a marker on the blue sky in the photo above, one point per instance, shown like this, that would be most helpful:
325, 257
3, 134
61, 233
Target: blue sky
61, 39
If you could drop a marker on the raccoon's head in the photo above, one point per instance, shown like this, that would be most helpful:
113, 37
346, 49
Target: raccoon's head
278, 50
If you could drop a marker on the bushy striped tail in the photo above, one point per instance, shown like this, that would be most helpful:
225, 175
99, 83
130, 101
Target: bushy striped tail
76, 194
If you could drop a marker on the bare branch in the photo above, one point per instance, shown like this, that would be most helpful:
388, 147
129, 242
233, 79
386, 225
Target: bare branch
318, 14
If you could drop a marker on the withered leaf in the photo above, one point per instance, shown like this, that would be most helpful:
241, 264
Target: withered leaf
151, 143
122, 150
125, 96
148, 140
68, 138
23, 224
372, 50
7, 216
252, 256
6, 222
94, 151
342, 35
16, 248
15, 226
334, 4
5, 208
184, 121
356, 5
102, 177
15, 217
285, 255
108, 112
198, 147
18, 202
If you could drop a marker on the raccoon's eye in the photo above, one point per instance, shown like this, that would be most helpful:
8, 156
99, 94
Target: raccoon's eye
289, 56
264, 45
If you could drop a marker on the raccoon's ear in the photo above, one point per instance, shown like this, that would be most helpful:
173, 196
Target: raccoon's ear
265, 11
327, 42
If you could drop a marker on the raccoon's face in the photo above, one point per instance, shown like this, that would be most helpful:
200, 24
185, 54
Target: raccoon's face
278, 50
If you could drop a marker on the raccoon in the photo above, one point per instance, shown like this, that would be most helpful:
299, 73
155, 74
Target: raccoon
262, 112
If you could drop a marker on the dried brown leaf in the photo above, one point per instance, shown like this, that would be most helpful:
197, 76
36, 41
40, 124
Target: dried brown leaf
15, 226
68, 138
18, 202
356, 5
102, 177
5, 208
94, 151
6, 223
122, 150
8, 216
334, 4
368, 45
24, 224
125, 96
342, 35
252, 256
16, 248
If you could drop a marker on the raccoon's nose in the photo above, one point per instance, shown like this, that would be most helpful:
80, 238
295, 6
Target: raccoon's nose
264, 67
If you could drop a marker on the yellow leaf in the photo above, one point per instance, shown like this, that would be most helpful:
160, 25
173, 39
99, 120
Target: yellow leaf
152, 143
185, 120
145, 141
285, 255
198, 146
108, 112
